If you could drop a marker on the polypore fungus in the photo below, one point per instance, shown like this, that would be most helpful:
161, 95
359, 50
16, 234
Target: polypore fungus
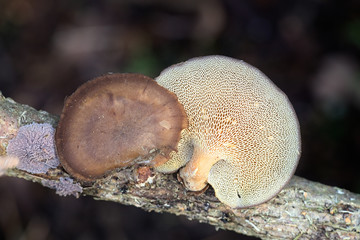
116, 120
243, 136
34, 147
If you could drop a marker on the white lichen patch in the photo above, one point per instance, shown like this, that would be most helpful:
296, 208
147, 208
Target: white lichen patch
34, 146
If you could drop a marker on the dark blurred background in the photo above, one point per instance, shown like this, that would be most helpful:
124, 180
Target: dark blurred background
310, 49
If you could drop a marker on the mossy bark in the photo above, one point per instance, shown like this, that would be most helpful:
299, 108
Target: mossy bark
302, 210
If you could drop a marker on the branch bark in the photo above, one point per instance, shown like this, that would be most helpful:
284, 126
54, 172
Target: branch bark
302, 210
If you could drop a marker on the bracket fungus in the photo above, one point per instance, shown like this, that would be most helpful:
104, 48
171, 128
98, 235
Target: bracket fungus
243, 136
117, 120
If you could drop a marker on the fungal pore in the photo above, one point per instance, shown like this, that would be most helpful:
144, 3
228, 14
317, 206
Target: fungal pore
243, 136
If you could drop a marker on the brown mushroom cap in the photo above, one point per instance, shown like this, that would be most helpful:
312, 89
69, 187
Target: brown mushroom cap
114, 121
243, 136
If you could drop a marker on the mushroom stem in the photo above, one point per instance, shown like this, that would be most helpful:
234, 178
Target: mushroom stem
196, 171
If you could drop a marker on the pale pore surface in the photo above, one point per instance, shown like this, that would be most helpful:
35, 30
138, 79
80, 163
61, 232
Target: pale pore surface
238, 115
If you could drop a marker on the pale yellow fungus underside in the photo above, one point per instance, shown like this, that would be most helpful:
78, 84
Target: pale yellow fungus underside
241, 122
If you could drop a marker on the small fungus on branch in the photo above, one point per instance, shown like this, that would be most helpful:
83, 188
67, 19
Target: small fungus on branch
117, 120
65, 186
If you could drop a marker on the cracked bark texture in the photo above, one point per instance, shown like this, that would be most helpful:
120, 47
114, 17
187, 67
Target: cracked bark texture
302, 210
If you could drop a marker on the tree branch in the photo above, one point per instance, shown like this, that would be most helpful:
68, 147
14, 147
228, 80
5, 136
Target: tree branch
302, 210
